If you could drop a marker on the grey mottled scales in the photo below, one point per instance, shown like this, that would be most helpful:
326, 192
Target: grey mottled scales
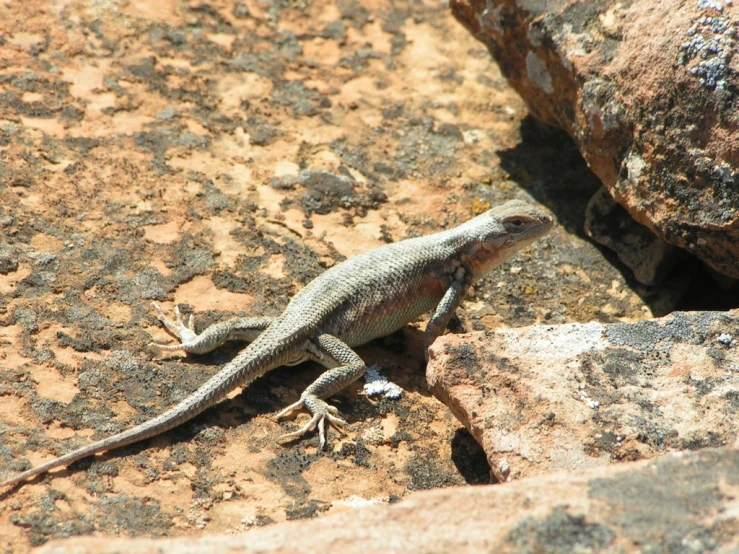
368, 296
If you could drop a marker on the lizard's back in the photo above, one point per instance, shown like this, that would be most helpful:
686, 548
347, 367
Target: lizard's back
375, 293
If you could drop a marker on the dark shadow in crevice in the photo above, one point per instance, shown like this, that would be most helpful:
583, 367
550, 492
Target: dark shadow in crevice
704, 293
469, 458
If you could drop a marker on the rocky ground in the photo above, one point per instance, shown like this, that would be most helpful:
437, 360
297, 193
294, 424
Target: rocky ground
220, 155
633, 507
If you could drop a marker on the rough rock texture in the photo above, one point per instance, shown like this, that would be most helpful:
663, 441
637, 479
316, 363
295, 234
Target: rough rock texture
650, 93
547, 398
220, 154
678, 503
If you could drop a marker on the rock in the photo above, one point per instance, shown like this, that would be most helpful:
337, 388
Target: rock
648, 256
8, 259
681, 502
648, 90
547, 398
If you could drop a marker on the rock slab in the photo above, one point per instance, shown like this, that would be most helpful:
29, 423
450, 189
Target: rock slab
570, 397
649, 92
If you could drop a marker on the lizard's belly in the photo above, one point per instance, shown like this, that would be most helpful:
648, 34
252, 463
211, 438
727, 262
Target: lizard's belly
383, 320
372, 295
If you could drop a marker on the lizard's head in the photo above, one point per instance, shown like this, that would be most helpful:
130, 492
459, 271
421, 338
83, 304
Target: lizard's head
498, 233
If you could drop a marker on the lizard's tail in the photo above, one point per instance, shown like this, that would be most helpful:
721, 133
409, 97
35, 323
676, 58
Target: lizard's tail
252, 362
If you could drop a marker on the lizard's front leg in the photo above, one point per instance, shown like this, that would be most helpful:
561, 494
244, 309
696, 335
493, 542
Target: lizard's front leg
241, 328
444, 312
345, 368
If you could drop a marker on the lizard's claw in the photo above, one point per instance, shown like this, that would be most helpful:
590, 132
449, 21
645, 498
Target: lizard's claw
183, 331
322, 413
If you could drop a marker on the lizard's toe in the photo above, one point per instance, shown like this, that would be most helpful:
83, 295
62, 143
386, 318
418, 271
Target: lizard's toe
291, 410
336, 422
165, 347
315, 420
185, 331
323, 413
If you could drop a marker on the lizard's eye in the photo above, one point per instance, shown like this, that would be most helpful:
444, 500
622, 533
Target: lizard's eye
515, 223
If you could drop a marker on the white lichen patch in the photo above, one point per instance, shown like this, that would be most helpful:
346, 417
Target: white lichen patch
537, 71
635, 166
589, 402
725, 339
709, 46
377, 384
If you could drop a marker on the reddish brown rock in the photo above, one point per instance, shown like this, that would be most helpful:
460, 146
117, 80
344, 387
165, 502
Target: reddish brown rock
548, 398
683, 502
648, 90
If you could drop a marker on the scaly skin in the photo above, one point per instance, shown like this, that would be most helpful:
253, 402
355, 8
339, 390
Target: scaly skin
371, 295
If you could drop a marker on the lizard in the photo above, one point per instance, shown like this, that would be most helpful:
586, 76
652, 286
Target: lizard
367, 296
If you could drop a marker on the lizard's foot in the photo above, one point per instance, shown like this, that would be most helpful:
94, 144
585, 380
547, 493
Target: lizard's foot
322, 413
183, 331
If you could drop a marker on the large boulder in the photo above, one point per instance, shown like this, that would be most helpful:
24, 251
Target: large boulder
648, 90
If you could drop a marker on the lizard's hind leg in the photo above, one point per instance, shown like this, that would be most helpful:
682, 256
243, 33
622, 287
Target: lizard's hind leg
345, 368
241, 328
